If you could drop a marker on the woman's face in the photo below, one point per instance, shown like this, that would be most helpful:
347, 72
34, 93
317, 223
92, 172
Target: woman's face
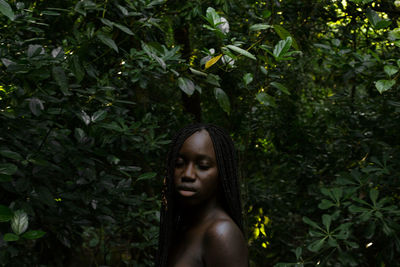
196, 172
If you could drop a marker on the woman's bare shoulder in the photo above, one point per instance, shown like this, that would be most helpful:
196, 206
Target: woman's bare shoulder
224, 244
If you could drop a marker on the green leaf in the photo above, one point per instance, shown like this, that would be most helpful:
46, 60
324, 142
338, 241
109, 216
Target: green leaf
311, 223
108, 41
99, 115
241, 51
19, 222
337, 193
258, 27
146, 176
10, 154
6, 10
280, 87
5, 178
9, 237
316, 245
326, 220
79, 135
84, 117
298, 252
384, 85
33, 234
35, 105
355, 209
77, 69
283, 34
390, 70
373, 194
247, 78
223, 99
186, 85
61, 79
197, 72
266, 99
212, 17
123, 28
325, 204
5, 214
282, 47
376, 21
8, 169
107, 22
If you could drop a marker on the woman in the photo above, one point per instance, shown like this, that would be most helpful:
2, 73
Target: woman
201, 220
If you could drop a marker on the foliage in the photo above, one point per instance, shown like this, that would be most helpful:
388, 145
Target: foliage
92, 91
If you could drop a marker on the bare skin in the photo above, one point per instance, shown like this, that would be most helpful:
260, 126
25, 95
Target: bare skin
209, 237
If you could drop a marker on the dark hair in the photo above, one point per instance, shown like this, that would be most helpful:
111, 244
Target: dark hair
228, 176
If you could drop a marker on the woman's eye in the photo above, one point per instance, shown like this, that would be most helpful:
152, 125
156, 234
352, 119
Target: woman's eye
204, 167
179, 163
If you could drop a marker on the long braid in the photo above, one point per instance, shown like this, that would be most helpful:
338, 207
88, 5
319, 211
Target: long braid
228, 176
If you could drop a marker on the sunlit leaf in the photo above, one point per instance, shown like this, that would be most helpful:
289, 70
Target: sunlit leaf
212, 61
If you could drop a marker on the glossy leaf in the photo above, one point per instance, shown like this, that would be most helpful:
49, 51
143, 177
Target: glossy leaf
6, 10
247, 78
212, 61
241, 51
222, 99
10, 154
259, 27
283, 34
186, 85
384, 85
19, 222
390, 70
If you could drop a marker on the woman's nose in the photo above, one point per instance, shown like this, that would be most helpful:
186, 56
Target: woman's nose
189, 172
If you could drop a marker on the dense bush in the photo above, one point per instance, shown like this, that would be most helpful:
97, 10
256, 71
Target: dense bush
92, 91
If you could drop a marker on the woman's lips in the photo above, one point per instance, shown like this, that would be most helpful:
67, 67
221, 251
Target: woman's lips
186, 191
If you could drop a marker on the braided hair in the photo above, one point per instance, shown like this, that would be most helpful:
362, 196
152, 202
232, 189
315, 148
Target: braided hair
227, 175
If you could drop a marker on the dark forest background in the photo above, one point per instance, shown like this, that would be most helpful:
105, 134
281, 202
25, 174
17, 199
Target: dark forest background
91, 93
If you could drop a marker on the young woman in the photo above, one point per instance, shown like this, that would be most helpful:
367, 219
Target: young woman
201, 220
